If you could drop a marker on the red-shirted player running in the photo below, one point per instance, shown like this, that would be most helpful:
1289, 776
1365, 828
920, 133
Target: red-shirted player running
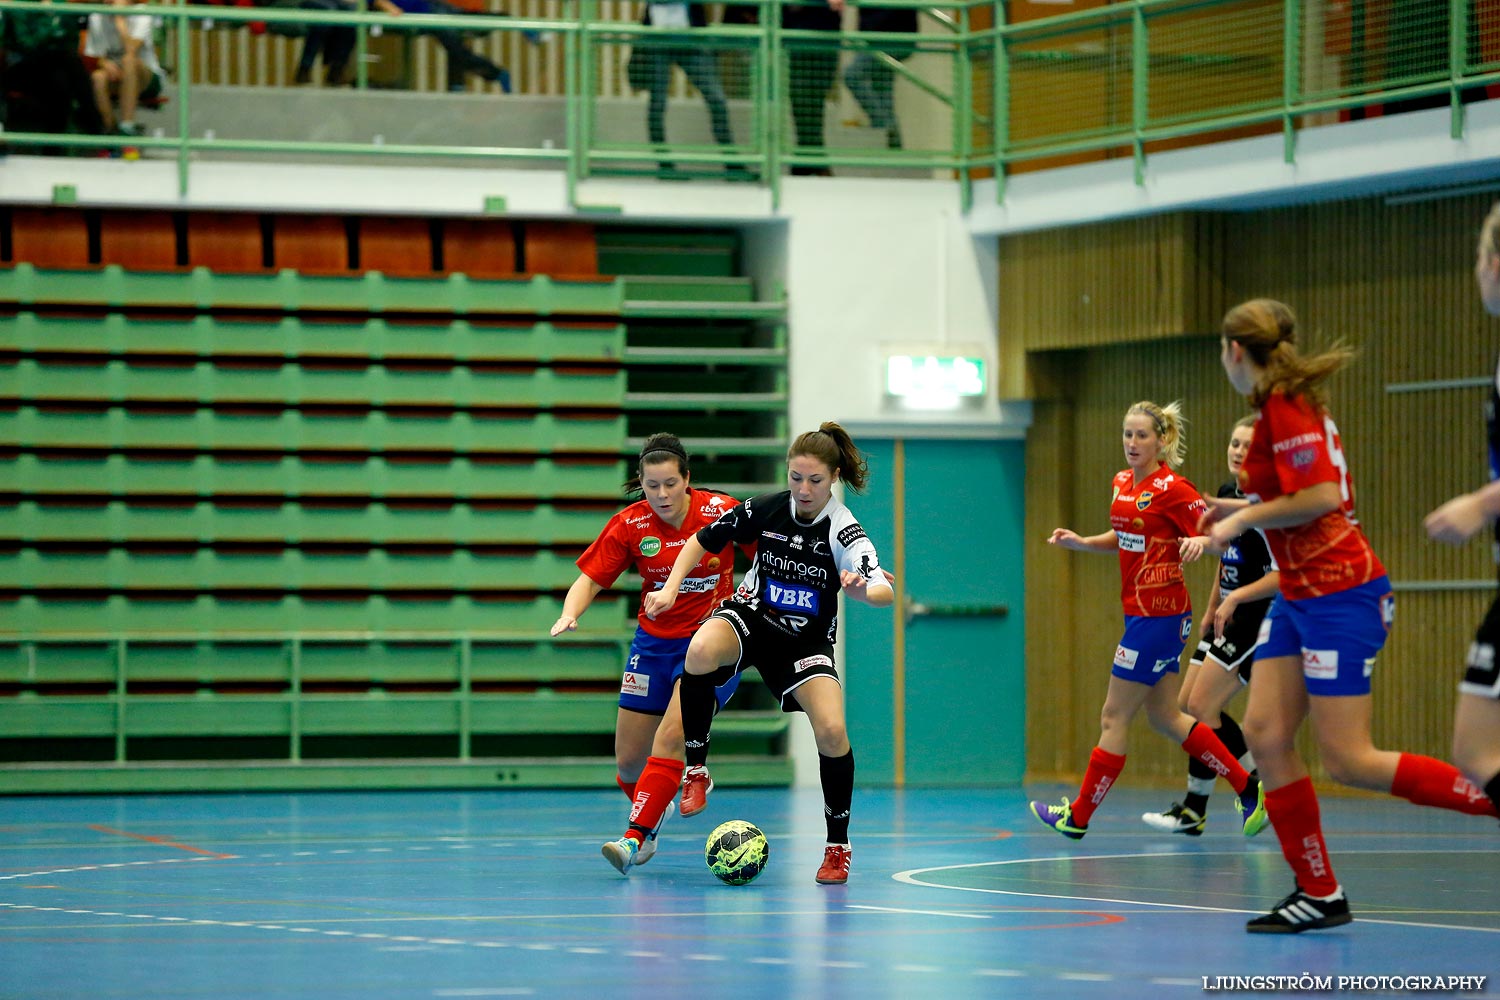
1319, 640
1153, 517
648, 535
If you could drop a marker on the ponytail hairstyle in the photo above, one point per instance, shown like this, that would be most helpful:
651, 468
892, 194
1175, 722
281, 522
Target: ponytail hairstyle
1170, 426
1267, 330
832, 445
657, 449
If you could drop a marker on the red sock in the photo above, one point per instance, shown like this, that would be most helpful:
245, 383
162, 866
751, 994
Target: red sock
1299, 826
1201, 744
654, 791
1104, 768
628, 787
1429, 782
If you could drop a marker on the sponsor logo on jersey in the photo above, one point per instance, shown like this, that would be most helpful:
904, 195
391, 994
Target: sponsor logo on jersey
773, 535
1296, 441
849, 534
636, 684
1320, 664
867, 566
1144, 500
1162, 482
820, 547
1161, 665
1126, 657
1131, 542
794, 622
1185, 630
797, 542
1303, 458
1231, 554
808, 571
791, 598
714, 507
650, 546
808, 662
698, 585
713, 563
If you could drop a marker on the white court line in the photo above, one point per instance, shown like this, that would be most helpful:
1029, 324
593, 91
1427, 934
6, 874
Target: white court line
924, 913
909, 877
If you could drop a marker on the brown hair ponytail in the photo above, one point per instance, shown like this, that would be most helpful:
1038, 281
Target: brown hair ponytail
832, 445
1267, 330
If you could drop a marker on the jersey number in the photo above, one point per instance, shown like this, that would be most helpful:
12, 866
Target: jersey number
1336, 455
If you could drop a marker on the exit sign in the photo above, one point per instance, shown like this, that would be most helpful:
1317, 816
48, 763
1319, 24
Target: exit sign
932, 381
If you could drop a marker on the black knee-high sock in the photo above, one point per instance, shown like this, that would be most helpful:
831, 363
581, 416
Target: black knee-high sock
837, 774
1201, 780
1233, 738
1492, 789
697, 696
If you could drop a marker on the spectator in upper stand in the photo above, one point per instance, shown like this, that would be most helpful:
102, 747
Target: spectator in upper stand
698, 62
334, 42
44, 73
870, 78
127, 69
811, 72
461, 59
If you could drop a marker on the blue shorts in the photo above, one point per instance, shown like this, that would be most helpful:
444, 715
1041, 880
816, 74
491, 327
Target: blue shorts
1336, 636
1151, 647
653, 668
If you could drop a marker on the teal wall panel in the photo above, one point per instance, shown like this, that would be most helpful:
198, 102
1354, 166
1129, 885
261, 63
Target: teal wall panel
959, 716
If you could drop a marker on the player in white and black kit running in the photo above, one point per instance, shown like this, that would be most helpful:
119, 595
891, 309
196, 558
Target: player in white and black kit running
784, 618
1227, 633
1476, 724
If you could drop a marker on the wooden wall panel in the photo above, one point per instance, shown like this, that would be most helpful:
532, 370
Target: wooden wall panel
1131, 280
1393, 280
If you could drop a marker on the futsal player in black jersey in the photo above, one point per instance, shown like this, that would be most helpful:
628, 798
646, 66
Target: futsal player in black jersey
783, 620
1476, 724
1227, 633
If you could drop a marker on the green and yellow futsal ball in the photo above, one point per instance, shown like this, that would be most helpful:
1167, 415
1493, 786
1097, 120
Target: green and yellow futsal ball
737, 852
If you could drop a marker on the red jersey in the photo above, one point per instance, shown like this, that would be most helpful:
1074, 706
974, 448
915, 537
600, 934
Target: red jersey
638, 537
1296, 445
1148, 520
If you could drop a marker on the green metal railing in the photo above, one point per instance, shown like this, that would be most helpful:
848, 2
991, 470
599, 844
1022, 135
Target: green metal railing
1126, 79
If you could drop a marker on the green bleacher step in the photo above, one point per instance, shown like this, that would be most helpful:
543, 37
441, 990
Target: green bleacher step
374, 523
700, 401
292, 385
291, 477
289, 430
210, 615
285, 571
520, 658
289, 291
699, 356
750, 446
375, 339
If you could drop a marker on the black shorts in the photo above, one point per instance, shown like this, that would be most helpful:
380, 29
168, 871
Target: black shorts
785, 661
1482, 675
1236, 649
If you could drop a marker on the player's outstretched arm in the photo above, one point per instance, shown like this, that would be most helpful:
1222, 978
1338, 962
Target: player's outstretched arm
580, 596
1461, 518
1067, 538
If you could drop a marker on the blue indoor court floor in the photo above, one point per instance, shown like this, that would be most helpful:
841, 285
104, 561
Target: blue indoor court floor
324, 896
